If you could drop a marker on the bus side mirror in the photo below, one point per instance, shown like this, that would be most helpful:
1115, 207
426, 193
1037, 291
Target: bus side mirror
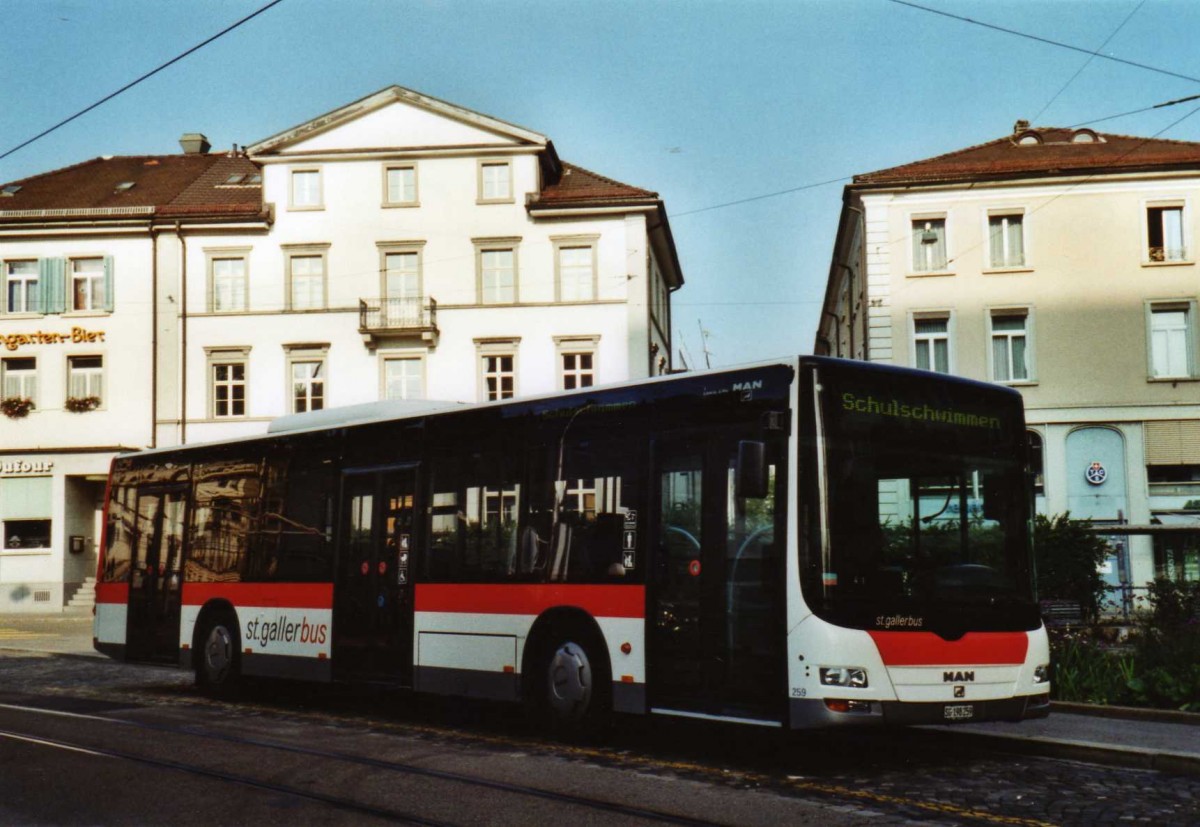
750, 476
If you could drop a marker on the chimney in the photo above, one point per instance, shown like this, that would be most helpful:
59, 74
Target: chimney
194, 143
1020, 126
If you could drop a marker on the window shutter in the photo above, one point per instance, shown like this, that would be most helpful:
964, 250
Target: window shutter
108, 283
1174, 442
52, 278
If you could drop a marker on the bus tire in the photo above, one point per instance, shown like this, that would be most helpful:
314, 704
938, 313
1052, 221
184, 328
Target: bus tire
218, 655
571, 684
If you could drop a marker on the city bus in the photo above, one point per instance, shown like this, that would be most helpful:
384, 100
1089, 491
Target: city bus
806, 543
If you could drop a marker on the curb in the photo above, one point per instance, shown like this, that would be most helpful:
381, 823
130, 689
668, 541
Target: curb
1130, 713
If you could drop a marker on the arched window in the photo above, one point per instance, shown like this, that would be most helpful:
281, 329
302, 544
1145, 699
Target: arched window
1036, 462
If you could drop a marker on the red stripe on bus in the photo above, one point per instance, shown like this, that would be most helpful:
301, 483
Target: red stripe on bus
287, 595
531, 599
972, 649
112, 593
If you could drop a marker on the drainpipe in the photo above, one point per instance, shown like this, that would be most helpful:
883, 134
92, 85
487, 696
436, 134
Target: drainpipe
183, 340
153, 338
837, 340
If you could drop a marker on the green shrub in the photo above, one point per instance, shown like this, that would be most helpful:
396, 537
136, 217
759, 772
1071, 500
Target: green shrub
1067, 559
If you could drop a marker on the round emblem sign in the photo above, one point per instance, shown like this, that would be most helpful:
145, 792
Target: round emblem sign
1096, 473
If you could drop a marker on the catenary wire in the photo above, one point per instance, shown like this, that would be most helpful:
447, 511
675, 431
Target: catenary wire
1046, 40
1089, 60
146, 76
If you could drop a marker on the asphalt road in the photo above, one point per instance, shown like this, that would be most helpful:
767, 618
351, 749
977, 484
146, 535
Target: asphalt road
90, 741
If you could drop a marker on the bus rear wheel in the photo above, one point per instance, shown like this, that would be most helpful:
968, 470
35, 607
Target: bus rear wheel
571, 684
218, 661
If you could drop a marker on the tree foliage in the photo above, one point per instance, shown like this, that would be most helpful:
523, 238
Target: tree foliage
1068, 559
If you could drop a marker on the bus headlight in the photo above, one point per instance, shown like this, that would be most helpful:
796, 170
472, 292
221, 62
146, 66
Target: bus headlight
854, 676
1041, 673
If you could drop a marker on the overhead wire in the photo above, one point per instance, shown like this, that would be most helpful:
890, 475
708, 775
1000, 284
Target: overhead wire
144, 77
1046, 40
1088, 62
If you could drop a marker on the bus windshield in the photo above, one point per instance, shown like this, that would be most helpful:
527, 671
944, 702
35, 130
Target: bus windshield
923, 515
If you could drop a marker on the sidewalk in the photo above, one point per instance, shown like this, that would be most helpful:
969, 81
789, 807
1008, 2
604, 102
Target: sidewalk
1146, 739
1121, 736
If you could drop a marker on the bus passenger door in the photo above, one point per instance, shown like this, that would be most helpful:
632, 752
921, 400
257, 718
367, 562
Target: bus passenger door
373, 611
154, 585
716, 591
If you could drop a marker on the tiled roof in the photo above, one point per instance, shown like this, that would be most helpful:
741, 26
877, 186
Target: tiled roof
170, 184
579, 185
1041, 152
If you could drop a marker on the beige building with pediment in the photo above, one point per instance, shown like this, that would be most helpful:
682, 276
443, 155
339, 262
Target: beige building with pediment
1064, 263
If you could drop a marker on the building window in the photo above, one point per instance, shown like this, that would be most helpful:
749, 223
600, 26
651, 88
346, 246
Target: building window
577, 370
88, 283
1172, 340
400, 186
21, 287
306, 284
1011, 355
1006, 235
26, 504
308, 386
306, 190
576, 357
575, 268
931, 343
229, 286
18, 378
497, 368
1164, 233
499, 376
496, 270
85, 377
228, 389
929, 245
495, 182
404, 377
402, 275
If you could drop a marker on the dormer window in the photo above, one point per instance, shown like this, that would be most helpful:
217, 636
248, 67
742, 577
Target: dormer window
10, 190
1085, 136
126, 186
239, 178
1029, 138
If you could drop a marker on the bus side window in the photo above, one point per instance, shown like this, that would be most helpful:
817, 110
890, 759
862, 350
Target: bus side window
295, 543
583, 517
473, 522
119, 535
224, 519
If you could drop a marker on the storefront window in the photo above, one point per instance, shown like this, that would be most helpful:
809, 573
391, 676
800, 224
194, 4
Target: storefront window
25, 504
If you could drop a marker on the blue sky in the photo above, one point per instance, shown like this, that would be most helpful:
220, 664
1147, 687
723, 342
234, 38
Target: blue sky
705, 102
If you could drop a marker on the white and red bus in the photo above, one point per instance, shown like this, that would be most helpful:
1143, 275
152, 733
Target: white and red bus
806, 543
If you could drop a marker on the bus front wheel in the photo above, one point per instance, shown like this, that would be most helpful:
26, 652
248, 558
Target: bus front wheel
218, 662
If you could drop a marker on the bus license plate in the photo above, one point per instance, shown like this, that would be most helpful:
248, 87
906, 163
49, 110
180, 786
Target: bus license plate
958, 712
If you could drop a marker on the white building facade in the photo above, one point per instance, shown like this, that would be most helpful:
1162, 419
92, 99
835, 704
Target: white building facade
399, 247
1062, 263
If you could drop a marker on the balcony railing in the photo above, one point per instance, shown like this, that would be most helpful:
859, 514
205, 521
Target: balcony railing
397, 318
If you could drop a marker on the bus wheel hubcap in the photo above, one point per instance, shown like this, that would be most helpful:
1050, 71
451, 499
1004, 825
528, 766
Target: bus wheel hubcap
218, 652
570, 680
